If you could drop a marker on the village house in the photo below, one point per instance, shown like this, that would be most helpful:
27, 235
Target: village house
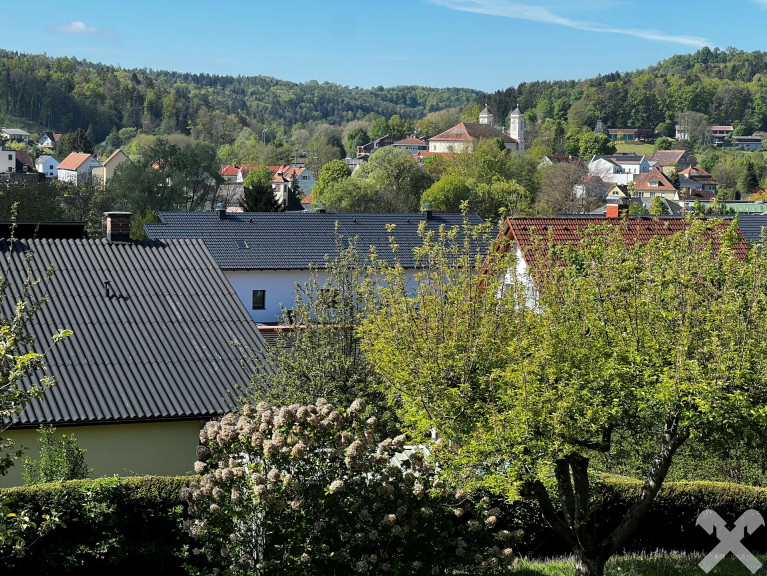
14, 135
654, 183
77, 168
265, 254
104, 173
47, 165
618, 168
151, 357
719, 133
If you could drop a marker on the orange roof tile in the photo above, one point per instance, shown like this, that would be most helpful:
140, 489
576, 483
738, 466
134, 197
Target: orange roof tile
531, 234
642, 181
73, 161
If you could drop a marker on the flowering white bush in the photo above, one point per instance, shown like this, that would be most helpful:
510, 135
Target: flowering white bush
313, 490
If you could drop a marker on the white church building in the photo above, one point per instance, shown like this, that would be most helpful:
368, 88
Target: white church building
465, 136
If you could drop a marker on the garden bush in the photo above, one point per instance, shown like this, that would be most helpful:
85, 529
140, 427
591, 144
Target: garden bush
111, 525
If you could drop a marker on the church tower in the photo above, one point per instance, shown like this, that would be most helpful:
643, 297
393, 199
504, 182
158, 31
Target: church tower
486, 117
517, 128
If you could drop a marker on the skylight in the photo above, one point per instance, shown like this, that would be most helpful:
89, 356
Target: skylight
241, 244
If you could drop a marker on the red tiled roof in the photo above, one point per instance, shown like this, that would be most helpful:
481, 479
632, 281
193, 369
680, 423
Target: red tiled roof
73, 161
532, 234
229, 170
642, 181
694, 171
722, 128
307, 200
410, 140
560, 159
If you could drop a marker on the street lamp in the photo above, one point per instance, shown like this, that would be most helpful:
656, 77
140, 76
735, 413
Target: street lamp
263, 136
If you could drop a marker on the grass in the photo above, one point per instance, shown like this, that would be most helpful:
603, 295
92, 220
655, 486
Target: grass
637, 148
660, 564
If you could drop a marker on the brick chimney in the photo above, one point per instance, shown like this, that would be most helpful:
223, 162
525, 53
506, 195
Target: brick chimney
118, 226
616, 207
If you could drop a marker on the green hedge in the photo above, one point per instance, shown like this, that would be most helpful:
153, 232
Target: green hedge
669, 524
121, 526
112, 526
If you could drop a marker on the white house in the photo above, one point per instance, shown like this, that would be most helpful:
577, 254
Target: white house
464, 137
265, 254
7, 159
15, 135
618, 168
47, 165
77, 168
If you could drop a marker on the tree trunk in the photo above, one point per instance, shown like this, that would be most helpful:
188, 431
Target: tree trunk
587, 566
575, 524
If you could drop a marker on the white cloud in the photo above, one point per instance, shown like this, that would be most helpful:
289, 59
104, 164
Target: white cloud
513, 9
77, 27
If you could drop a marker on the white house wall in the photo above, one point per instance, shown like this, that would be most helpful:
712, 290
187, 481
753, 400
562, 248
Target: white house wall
280, 289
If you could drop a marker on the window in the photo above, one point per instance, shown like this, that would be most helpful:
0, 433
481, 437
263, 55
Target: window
241, 244
10, 156
259, 299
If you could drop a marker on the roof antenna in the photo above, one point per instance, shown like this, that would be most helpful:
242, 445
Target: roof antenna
107, 286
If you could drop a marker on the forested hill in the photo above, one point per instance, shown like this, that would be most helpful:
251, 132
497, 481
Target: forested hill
63, 94
728, 86
38, 92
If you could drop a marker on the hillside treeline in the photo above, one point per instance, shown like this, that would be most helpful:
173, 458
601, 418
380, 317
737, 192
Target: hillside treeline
64, 94
728, 86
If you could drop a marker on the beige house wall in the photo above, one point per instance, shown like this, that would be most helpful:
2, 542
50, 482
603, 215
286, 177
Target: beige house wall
162, 448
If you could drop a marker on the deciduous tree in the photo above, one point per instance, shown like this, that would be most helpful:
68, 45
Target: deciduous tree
531, 377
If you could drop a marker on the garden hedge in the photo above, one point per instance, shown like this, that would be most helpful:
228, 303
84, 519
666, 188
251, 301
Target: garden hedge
112, 526
126, 526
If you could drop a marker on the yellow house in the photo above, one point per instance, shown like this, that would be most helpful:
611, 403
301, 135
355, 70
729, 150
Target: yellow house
151, 356
103, 174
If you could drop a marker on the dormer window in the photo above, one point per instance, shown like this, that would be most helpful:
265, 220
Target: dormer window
654, 183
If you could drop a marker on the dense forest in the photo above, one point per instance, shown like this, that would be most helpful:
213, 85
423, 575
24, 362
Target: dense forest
64, 94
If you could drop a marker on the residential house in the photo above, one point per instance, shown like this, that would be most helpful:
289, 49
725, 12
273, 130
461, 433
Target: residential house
24, 163
104, 173
665, 159
370, 147
681, 132
412, 144
528, 237
49, 140
77, 168
747, 142
282, 180
618, 168
47, 165
14, 135
696, 184
265, 254
719, 133
629, 134
654, 183
230, 172
7, 159
151, 357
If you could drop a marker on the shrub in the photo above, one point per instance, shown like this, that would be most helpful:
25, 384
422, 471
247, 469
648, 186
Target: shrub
111, 525
59, 459
312, 489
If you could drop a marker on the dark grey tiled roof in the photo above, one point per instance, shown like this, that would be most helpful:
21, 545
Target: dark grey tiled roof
157, 347
294, 241
751, 225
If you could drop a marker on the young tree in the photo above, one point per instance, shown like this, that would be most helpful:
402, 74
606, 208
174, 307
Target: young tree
657, 207
59, 459
258, 195
611, 339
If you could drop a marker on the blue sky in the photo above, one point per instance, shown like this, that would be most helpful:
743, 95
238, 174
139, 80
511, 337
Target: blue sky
482, 44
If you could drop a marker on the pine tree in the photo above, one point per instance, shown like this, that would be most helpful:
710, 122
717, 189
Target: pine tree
258, 195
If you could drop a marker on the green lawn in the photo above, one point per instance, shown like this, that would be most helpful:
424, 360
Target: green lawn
663, 564
634, 148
